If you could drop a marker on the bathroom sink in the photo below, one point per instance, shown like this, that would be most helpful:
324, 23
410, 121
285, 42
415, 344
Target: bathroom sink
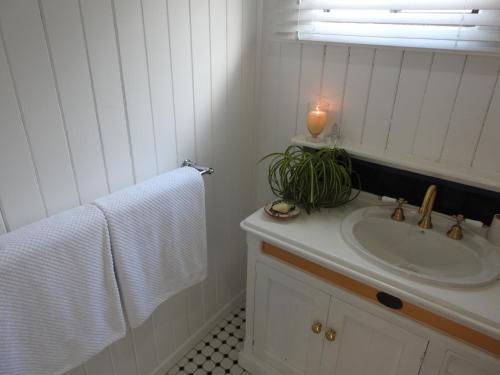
425, 254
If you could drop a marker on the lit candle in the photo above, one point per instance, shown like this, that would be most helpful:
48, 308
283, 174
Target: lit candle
316, 121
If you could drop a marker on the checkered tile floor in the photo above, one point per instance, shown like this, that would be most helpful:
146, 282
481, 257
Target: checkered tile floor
217, 353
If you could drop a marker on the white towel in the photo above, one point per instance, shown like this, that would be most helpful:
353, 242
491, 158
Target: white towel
158, 239
59, 301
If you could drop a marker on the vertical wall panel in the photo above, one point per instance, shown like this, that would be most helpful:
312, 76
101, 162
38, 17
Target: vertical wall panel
163, 329
411, 90
180, 46
334, 75
67, 46
135, 79
472, 102
385, 77
234, 23
104, 65
488, 153
26, 48
357, 86
310, 81
287, 95
182, 75
158, 48
438, 103
19, 192
179, 317
100, 364
267, 130
200, 47
219, 105
123, 357
144, 347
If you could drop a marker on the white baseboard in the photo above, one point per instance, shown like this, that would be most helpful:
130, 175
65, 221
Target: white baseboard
198, 335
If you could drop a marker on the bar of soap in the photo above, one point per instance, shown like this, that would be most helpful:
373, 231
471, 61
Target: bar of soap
282, 207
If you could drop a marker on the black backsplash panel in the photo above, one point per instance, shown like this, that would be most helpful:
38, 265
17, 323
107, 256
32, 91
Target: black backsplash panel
452, 198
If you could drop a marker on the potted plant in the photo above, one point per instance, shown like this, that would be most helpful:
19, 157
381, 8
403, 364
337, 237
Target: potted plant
313, 178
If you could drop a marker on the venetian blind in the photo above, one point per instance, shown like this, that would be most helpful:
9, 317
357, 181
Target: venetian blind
461, 25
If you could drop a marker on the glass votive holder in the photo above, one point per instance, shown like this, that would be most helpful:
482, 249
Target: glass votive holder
317, 117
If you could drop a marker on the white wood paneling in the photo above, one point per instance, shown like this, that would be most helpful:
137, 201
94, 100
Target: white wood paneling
18, 186
100, 364
98, 94
25, 44
202, 87
440, 97
180, 45
386, 72
218, 55
123, 357
158, 49
334, 74
488, 152
268, 132
428, 112
134, 67
67, 47
288, 92
234, 22
473, 98
165, 344
144, 347
104, 66
413, 80
357, 87
310, 81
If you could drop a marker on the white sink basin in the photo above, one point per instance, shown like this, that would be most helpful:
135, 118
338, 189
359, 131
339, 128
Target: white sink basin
428, 255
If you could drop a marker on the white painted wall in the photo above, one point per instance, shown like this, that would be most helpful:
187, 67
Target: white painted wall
439, 110
96, 95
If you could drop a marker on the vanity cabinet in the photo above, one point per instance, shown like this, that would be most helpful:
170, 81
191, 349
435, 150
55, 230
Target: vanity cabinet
301, 330
300, 321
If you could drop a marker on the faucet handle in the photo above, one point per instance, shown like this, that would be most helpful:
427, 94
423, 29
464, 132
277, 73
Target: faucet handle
455, 231
459, 218
398, 214
400, 202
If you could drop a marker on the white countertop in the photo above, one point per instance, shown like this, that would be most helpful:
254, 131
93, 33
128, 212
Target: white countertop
317, 237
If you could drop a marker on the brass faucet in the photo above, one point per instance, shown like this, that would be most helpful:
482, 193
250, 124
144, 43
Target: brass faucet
426, 208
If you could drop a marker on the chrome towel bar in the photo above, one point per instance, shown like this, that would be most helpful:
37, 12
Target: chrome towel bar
202, 170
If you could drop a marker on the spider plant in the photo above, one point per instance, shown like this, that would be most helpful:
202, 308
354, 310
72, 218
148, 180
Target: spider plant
312, 178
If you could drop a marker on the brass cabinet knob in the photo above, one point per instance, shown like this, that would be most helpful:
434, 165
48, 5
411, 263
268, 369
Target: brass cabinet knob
316, 327
330, 334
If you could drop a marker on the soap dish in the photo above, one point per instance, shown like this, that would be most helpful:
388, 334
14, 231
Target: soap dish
294, 211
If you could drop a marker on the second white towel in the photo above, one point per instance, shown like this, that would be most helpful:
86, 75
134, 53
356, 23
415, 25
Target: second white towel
158, 239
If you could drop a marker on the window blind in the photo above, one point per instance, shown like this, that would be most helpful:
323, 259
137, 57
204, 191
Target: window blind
461, 25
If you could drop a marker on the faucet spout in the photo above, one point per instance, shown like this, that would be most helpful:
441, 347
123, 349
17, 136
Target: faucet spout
427, 207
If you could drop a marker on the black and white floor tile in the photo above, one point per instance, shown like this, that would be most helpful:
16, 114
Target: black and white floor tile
217, 353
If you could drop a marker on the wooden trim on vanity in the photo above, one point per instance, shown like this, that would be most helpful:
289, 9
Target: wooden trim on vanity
410, 310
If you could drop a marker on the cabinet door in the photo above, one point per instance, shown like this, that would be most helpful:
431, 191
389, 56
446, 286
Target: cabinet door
285, 310
365, 344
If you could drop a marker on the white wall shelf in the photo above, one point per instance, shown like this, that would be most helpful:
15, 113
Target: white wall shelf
456, 173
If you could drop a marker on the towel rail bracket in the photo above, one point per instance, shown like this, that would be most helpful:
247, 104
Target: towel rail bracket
202, 170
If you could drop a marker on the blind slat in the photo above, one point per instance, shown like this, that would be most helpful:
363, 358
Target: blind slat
401, 4
385, 17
